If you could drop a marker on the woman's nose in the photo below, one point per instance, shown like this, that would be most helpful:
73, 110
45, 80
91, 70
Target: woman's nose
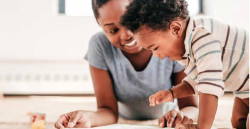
155, 54
126, 35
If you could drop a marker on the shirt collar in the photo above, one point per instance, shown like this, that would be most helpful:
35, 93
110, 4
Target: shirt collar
190, 28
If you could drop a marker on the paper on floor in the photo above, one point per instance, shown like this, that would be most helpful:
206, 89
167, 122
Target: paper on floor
123, 126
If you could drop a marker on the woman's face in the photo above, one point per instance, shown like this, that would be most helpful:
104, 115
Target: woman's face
109, 15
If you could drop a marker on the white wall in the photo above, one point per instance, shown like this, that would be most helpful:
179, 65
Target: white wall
32, 29
234, 12
36, 44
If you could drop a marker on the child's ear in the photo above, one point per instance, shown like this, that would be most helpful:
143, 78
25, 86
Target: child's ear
176, 28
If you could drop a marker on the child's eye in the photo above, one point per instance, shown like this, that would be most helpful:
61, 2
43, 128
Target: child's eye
155, 48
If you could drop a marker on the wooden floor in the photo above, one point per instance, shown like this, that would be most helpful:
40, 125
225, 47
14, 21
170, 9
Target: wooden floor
13, 110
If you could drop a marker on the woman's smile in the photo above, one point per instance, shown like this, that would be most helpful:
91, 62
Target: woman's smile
131, 46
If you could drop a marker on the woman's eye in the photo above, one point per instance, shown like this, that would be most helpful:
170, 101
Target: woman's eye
156, 48
113, 31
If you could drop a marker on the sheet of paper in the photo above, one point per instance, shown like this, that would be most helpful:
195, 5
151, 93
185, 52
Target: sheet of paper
123, 126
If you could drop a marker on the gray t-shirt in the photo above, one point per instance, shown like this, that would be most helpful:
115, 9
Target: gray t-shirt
133, 88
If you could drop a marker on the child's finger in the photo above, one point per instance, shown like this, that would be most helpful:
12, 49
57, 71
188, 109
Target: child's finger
161, 97
158, 96
161, 100
150, 100
153, 100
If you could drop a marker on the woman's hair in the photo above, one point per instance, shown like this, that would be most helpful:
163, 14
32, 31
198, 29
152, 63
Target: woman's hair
96, 4
154, 14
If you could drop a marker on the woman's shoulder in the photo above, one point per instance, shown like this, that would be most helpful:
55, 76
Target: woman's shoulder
98, 53
100, 43
99, 35
99, 39
100, 46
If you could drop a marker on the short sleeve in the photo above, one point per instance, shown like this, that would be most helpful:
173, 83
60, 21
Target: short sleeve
206, 52
191, 83
96, 51
177, 67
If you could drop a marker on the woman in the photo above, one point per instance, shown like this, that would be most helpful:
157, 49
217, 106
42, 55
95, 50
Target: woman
125, 74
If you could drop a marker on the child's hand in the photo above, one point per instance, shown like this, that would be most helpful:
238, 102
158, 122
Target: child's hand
160, 97
173, 118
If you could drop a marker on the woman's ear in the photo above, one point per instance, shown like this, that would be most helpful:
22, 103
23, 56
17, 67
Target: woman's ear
177, 28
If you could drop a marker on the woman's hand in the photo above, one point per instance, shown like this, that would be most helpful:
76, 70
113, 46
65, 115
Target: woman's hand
186, 126
76, 119
174, 118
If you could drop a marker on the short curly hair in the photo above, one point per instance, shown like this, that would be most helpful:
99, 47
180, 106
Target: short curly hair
154, 14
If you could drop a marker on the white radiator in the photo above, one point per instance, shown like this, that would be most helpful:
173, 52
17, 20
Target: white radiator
45, 77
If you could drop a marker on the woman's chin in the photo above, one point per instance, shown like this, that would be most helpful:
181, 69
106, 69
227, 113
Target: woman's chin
133, 51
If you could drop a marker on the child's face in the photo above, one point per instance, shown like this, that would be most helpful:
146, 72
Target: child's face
162, 44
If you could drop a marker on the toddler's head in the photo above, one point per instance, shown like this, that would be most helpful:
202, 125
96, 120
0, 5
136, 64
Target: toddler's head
158, 25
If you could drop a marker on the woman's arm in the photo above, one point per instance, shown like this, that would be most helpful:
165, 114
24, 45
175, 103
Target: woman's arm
107, 112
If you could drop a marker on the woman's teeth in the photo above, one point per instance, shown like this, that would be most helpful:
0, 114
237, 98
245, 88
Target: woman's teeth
131, 44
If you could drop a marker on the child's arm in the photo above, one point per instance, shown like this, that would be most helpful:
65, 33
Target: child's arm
207, 103
187, 105
206, 53
208, 107
179, 91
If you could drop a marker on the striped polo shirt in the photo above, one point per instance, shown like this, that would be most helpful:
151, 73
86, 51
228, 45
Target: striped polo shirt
216, 58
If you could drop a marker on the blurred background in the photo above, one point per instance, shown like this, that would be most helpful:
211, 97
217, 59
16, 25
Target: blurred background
43, 42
